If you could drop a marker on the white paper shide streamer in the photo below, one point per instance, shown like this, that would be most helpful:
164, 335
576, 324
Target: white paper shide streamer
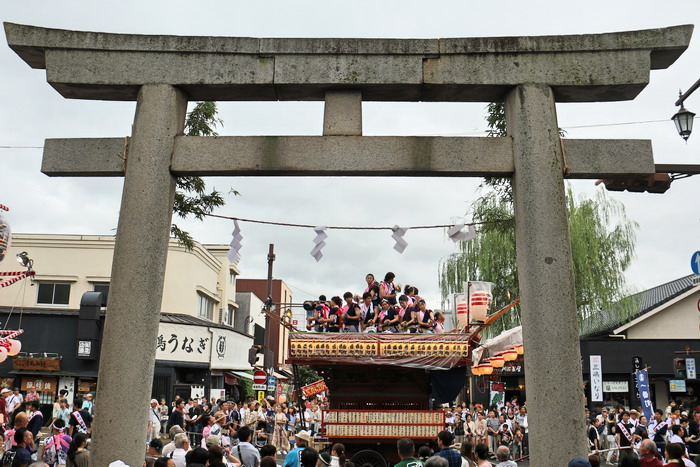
457, 234
319, 242
233, 254
397, 235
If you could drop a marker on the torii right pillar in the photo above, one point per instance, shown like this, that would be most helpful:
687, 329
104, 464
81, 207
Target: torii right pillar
545, 273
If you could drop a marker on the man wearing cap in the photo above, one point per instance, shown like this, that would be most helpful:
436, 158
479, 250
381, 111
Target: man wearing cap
155, 450
3, 406
153, 421
634, 418
13, 401
302, 440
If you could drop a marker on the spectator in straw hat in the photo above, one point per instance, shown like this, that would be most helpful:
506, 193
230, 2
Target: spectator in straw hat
302, 440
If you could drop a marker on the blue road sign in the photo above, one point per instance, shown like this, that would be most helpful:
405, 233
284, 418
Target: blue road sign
695, 262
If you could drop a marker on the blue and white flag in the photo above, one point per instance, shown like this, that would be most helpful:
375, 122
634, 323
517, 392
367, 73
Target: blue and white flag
644, 396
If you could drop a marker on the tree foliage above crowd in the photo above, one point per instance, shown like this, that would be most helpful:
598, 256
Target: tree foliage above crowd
191, 197
603, 240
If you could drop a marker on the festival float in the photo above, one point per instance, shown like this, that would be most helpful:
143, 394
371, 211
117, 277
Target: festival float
385, 386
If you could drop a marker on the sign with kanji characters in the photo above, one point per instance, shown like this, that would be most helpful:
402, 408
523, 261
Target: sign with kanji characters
314, 388
690, 371
41, 383
615, 386
642, 379
40, 364
226, 351
596, 378
183, 343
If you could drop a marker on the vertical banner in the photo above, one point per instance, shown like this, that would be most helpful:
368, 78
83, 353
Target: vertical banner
637, 364
690, 371
644, 396
497, 394
596, 379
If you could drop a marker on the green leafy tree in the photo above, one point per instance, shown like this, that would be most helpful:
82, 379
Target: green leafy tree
306, 375
602, 242
191, 197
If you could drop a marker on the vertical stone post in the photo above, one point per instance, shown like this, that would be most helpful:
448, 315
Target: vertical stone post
131, 324
553, 375
342, 113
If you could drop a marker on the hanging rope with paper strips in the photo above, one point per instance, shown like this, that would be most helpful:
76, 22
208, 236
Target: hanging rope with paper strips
455, 232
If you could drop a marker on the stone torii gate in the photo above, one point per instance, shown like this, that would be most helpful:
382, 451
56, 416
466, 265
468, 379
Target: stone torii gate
161, 73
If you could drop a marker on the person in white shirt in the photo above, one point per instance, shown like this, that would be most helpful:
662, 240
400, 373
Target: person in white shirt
182, 445
13, 400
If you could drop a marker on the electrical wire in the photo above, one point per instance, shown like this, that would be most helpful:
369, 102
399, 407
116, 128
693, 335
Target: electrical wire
346, 227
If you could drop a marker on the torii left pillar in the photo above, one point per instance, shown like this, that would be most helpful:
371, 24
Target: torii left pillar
126, 371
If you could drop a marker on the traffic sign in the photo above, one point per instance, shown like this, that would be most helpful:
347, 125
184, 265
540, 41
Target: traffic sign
271, 383
695, 262
259, 377
261, 396
258, 387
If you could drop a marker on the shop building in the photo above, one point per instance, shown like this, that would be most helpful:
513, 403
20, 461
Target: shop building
203, 339
659, 329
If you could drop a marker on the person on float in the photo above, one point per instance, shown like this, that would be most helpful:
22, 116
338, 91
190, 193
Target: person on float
409, 320
425, 317
370, 314
334, 321
439, 323
372, 289
389, 317
388, 290
352, 315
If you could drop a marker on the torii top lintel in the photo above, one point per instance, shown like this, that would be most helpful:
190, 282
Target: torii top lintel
579, 68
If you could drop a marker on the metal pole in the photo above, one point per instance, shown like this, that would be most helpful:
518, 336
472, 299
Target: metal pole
268, 355
688, 93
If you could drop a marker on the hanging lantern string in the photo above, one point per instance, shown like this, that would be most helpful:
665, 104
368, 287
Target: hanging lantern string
4, 208
337, 227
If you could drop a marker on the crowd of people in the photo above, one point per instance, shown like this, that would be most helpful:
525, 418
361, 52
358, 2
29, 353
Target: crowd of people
630, 439
382, 307
21, 421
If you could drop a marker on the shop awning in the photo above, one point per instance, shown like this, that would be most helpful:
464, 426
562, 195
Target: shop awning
240, 374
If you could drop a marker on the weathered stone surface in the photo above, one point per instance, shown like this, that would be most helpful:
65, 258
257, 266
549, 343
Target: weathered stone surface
342, 155
347, 156
342, 113
84, 157
581, 68
665, 44
553, 373
577, 76
128, 351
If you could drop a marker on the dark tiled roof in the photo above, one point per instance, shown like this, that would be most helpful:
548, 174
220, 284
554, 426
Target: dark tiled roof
641, 303
172, 318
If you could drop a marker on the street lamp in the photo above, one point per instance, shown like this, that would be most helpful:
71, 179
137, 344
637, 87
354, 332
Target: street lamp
24, 260
684, 122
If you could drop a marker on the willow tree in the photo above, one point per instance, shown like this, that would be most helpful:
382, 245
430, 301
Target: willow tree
602, 243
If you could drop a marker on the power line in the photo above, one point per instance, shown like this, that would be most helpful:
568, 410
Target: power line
345, 227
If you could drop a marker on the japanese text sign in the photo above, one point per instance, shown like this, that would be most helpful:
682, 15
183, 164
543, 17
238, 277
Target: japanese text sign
596, 378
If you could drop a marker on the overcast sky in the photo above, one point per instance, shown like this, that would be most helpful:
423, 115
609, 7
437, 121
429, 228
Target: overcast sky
32, 111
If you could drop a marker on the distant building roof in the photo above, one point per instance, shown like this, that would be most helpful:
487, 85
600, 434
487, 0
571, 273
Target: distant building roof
607, 321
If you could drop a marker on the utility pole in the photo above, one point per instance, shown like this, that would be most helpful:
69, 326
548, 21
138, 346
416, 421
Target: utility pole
268, 358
